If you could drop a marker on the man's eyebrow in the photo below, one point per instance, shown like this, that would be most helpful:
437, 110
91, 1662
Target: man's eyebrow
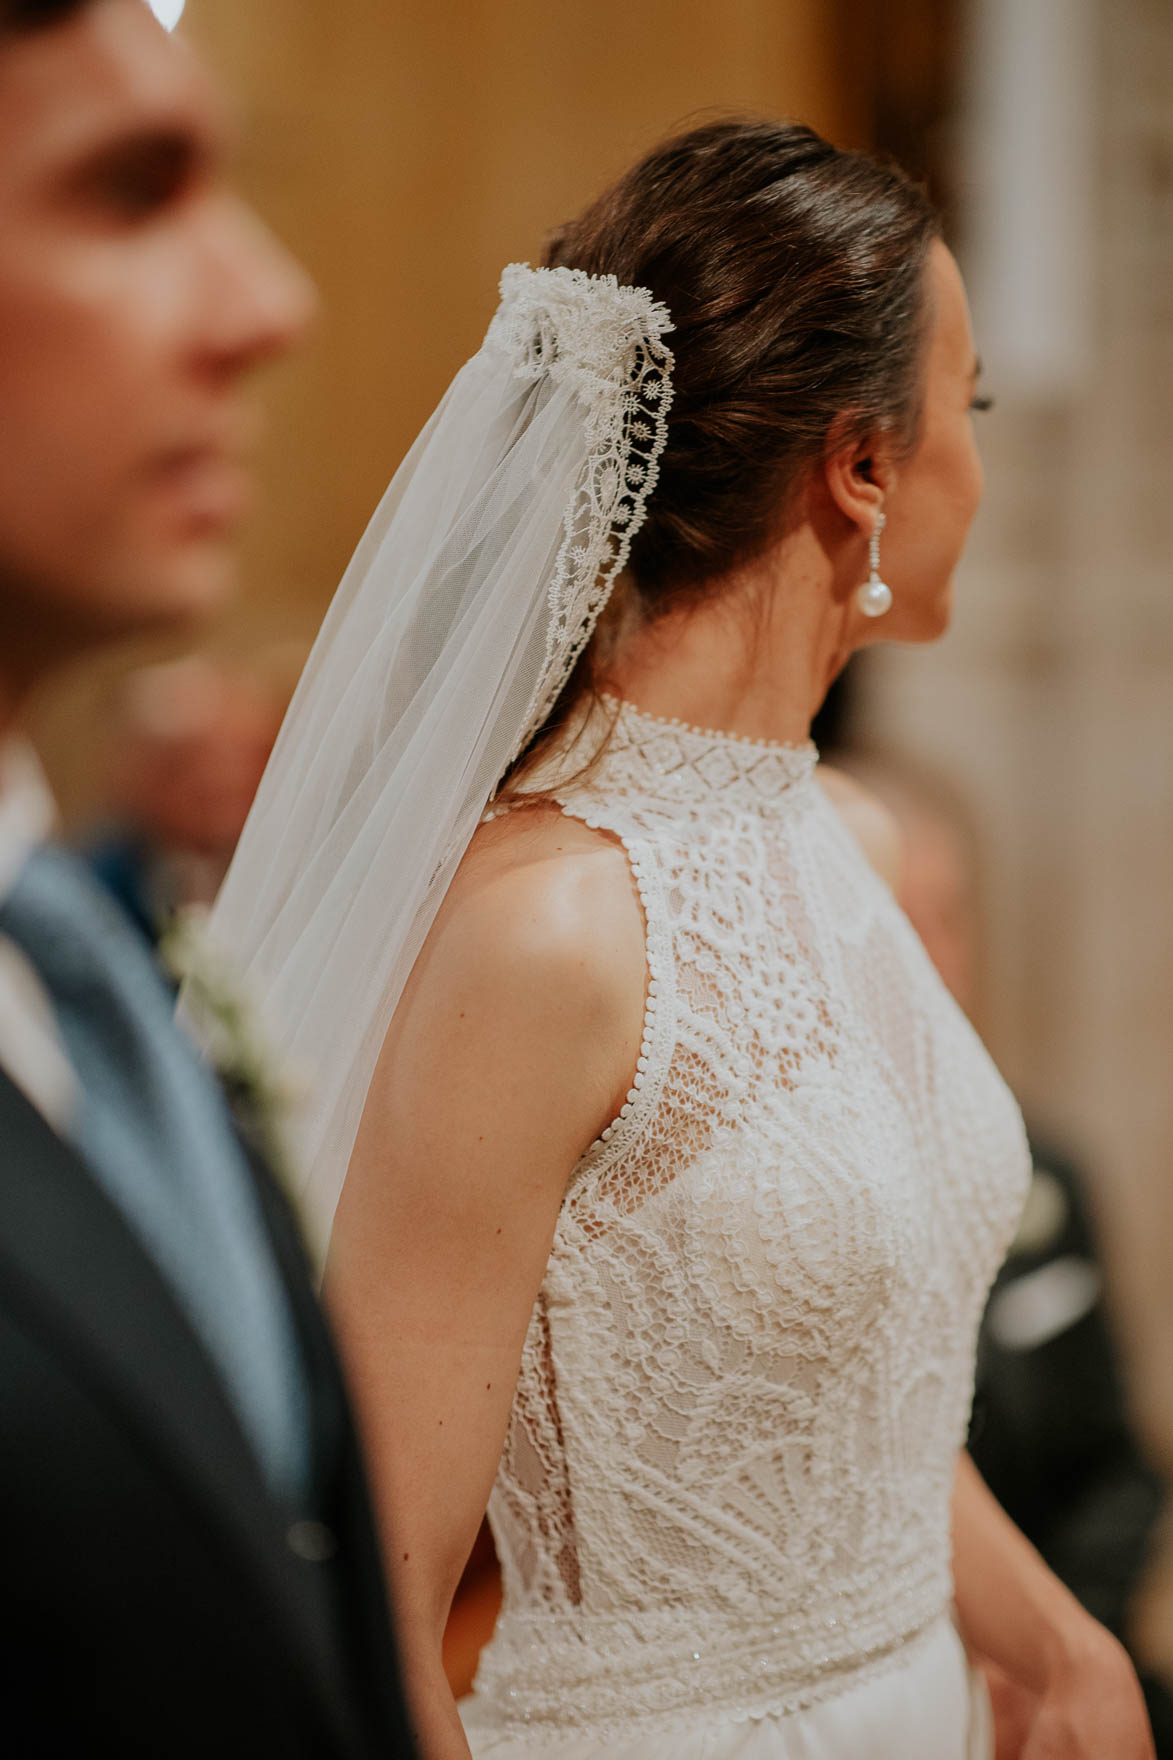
976, 369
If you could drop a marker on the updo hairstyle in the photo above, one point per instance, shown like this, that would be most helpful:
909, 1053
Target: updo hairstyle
794, 274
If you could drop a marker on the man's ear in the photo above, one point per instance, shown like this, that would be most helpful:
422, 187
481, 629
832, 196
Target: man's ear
860, 478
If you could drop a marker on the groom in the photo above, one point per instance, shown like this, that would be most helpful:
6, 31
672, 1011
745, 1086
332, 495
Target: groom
189, 1561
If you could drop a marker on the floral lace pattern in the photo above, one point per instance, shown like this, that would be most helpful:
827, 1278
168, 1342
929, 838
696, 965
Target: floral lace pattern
727, 1481
607, 343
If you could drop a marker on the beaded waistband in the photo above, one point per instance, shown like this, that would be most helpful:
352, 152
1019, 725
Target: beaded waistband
541, 1673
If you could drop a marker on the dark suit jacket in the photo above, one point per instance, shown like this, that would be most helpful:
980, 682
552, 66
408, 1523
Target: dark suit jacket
154, 1599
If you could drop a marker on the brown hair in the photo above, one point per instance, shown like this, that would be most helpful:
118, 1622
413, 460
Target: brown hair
32, 15
794, 274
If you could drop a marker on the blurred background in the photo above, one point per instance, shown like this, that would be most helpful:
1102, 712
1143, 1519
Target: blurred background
407, 149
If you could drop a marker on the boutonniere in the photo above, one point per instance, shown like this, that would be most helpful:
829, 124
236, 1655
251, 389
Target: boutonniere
226, 1026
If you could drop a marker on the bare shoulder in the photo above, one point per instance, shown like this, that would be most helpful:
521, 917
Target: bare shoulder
874, 825
525, 1006
540, 947
547, 897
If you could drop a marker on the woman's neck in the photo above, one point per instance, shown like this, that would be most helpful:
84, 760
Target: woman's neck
755, 658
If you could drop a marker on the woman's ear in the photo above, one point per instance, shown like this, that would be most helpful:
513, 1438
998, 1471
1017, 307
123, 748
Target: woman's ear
860, 478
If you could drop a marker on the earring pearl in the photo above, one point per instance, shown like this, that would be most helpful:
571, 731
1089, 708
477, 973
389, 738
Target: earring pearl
875, 596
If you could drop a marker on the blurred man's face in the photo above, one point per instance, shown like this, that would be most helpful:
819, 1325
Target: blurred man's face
136, 292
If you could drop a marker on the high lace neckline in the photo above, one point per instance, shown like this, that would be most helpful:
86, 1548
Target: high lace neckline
678, 761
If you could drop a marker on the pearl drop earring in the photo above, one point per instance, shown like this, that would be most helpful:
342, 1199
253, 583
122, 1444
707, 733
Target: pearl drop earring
874, 597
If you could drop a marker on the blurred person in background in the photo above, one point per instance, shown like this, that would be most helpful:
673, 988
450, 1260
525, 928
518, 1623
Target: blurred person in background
191, 741
190, 1563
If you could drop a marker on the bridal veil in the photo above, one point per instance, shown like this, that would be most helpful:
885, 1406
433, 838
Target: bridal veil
470, 596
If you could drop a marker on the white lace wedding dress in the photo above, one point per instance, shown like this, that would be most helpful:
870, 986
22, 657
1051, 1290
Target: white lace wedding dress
723, 1507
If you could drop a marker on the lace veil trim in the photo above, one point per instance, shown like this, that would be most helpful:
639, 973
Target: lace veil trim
606, 342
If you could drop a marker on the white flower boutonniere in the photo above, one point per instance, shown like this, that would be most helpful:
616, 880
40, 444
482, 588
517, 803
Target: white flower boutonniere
228, 1031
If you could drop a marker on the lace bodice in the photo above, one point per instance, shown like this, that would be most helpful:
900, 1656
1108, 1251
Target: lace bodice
748, 1374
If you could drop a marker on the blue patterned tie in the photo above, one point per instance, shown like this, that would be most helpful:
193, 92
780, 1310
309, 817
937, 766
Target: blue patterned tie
155, 1130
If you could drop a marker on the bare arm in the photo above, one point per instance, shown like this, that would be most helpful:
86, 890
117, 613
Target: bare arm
511, 1050
1082, 1698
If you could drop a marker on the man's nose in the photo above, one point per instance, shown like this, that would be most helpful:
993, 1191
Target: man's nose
264, 301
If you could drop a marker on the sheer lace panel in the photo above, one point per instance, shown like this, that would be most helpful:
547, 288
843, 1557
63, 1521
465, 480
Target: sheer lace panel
744, 1388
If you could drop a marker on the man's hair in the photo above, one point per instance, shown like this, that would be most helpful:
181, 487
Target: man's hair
32, 15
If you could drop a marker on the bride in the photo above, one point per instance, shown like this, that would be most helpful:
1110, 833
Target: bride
669, 1182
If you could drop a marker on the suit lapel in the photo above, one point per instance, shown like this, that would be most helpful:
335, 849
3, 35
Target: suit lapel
72, 1264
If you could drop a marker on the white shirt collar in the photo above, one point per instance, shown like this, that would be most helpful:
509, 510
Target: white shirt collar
27, 810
